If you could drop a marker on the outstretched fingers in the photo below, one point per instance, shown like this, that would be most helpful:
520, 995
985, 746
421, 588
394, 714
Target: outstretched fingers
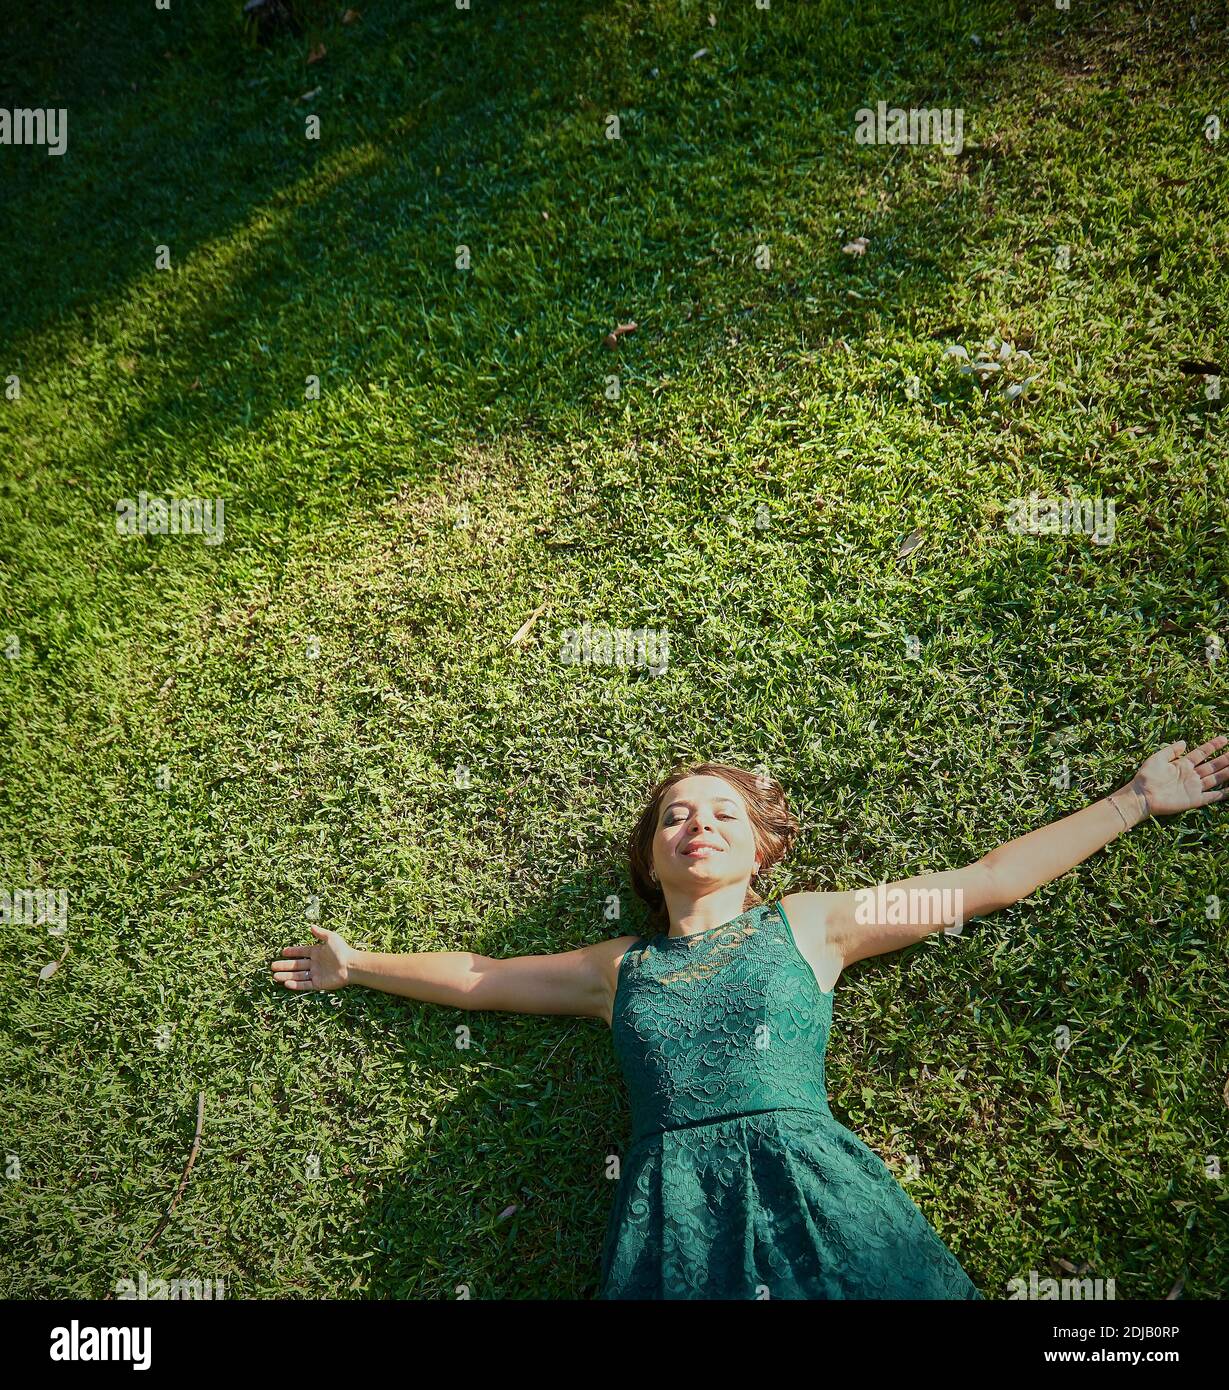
1215, 779
1205, 750
295, 973
299, 980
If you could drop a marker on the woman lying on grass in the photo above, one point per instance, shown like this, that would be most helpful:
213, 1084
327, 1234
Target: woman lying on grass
739, 1182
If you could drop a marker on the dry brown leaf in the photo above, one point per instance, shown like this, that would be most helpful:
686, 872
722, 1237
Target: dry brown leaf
49, 970
350, 16
910, 544
856, 247
523, 631
317, 53
612, 339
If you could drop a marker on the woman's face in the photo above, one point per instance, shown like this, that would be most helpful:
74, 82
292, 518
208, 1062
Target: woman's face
704, 836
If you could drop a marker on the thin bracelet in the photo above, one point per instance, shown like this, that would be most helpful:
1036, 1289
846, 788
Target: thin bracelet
1118, 808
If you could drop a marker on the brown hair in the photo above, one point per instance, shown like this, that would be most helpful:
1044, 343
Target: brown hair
774, 826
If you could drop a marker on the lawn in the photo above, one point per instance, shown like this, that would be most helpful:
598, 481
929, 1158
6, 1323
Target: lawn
783, 469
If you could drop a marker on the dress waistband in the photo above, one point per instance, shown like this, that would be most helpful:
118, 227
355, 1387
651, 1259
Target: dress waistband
822, 1113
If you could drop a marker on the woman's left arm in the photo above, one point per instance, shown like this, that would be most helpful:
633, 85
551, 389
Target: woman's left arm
852, 925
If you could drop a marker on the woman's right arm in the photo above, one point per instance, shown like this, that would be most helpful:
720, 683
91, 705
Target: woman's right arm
579, 982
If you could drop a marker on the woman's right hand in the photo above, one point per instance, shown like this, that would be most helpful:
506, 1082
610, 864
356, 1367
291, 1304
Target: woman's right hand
326, 965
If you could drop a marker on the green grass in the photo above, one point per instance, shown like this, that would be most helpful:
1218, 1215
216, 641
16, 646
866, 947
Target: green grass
778, 397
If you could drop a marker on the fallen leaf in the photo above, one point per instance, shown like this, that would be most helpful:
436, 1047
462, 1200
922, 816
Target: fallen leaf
856, 247
712, 21
699, 53
350, 16
307, 96
523, 631
910, 544
49, 970
317, 53
507, 1212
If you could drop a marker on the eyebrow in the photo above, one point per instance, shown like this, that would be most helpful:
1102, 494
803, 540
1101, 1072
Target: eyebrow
673, 804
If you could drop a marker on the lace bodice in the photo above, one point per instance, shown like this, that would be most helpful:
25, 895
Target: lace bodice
729, 1021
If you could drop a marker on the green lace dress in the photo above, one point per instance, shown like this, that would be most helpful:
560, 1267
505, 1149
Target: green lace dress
739, 1182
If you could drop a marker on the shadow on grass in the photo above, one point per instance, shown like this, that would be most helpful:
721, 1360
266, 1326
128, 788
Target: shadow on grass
337, 260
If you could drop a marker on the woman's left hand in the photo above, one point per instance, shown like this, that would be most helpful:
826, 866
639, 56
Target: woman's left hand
1174, 780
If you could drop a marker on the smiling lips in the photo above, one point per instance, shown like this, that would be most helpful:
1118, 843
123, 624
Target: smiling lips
691, 849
